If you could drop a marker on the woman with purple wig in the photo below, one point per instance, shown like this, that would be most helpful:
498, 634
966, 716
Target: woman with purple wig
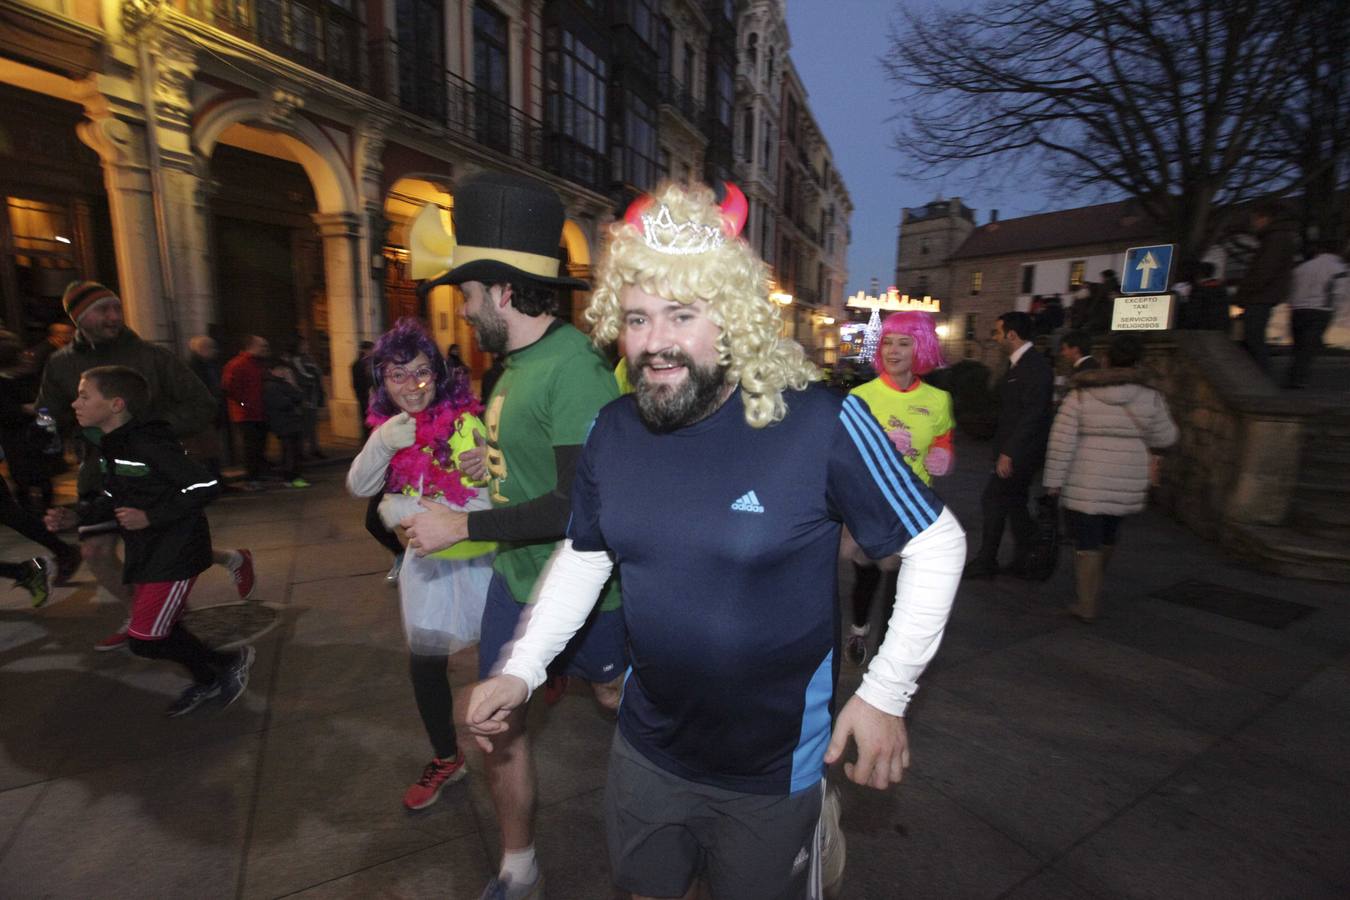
917, 417
423, 417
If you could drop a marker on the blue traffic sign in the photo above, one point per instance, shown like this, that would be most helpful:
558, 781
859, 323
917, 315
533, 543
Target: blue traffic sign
1146, 269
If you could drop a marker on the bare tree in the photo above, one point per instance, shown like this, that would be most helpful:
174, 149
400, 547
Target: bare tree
1175, 103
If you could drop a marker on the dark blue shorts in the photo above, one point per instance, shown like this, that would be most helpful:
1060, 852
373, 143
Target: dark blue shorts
597, 653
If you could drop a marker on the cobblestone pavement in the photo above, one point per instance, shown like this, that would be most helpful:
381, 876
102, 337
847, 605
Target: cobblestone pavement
1175, 749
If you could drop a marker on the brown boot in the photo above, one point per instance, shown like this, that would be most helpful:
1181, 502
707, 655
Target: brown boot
1087, 578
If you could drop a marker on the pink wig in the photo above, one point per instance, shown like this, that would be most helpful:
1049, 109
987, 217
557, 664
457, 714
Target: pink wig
918, 325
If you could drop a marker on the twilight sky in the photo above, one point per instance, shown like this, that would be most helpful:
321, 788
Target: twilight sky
835, 47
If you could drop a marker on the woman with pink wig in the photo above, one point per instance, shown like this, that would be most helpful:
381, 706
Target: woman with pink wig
917, 417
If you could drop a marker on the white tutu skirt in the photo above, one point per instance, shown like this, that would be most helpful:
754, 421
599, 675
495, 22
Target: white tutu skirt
442, 600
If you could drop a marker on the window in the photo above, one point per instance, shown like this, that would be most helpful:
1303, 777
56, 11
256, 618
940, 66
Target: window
1076, 273
642, 18
574, 106
690, 67
635, 149
421, 58
769, 77
976, 282
752, 51
665, 48
726, 93
792, 120
1028, 278
970, 325
923, 248
748, 136
321, 34
922, 286
491, 75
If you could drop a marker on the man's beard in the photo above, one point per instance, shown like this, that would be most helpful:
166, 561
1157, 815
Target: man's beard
490, 328
665, 408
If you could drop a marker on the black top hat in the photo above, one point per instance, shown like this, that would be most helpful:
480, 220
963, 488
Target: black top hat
507, 228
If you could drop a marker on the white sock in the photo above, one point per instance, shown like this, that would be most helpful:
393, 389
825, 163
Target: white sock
519, 866
860, 629
233, 559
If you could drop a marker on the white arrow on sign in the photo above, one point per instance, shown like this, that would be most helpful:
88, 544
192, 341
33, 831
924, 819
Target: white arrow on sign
1146, 267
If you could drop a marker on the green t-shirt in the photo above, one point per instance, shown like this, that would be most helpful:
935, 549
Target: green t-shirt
548, 396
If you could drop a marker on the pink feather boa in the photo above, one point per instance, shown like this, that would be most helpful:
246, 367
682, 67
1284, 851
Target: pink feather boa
426, 468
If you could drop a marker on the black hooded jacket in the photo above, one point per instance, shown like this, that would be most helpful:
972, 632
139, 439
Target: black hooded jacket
144, 467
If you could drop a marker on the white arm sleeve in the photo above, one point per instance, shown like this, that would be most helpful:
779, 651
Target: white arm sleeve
930, 571
366, 476
569, 587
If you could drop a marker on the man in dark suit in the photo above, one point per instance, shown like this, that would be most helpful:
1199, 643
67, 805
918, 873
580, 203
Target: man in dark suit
1076, 349
1025, 395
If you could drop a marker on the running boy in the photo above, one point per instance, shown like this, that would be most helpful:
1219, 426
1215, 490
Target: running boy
156, 495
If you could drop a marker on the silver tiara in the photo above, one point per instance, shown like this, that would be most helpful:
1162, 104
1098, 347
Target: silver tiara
662, 234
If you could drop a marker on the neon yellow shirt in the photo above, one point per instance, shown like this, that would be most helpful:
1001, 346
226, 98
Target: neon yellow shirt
923, 414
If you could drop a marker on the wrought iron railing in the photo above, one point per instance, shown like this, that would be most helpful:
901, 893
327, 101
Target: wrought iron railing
678, 95
317, 35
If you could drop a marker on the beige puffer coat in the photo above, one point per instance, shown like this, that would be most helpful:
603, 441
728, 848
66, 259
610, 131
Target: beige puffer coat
1098, 455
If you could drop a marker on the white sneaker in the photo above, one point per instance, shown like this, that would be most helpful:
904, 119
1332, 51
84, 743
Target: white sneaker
391, 577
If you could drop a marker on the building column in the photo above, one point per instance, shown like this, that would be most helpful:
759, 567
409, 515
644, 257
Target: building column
370, 165
126, 177
344, 267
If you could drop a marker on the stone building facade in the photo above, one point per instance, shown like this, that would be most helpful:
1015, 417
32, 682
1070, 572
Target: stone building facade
929, 235
253, 168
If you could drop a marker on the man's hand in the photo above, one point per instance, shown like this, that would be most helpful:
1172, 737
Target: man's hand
436, 528
491, 703
883, 744
473, 463
59, 518
132, 519
1004, 466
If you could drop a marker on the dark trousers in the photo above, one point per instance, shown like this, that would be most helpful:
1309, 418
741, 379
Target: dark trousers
431, 688
290, 455
1308, 327
1254, 322
1092, 532
1004, 502
28, 524
253, 435
183, 647
865, 581
377, 529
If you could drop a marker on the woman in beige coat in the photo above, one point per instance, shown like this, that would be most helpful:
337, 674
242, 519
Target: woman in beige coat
1099, 458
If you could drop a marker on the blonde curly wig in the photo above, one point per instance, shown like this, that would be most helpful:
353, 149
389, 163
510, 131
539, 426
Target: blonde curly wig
729, 278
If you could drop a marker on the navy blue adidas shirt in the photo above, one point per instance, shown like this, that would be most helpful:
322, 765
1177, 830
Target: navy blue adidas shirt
727, 539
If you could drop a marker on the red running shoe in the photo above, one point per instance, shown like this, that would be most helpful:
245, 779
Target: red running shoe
437, 774
115, 641
244, 581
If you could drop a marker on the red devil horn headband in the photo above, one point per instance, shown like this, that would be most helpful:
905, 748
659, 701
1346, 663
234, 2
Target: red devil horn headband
734, 209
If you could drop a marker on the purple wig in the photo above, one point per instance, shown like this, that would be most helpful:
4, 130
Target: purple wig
918, 325
400, 345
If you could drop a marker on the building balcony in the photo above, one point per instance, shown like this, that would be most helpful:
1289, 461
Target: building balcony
317, 35
684, 101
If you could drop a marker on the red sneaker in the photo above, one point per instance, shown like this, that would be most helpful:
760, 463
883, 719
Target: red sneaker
115, 641
555, 688
437, 774
244, 582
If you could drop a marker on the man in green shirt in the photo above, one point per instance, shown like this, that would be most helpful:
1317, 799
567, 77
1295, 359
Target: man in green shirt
540, 411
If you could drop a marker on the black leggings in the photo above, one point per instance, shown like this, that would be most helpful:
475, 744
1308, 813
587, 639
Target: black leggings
431, 687
377, 529
865, 581
182, 646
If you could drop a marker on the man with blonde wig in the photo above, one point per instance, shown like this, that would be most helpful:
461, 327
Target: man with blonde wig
719, 487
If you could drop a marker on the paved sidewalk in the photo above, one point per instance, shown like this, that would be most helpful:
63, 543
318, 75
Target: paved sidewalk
1166, 751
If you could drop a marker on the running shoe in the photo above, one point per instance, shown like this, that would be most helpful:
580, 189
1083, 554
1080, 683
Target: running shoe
437, 774
833, 848
36, 580
298, 483
244, 580
115, 641
234, 679
503, 888
391, 577
191, 698
855, 649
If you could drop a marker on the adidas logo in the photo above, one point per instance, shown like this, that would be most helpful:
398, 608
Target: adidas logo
747, 503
